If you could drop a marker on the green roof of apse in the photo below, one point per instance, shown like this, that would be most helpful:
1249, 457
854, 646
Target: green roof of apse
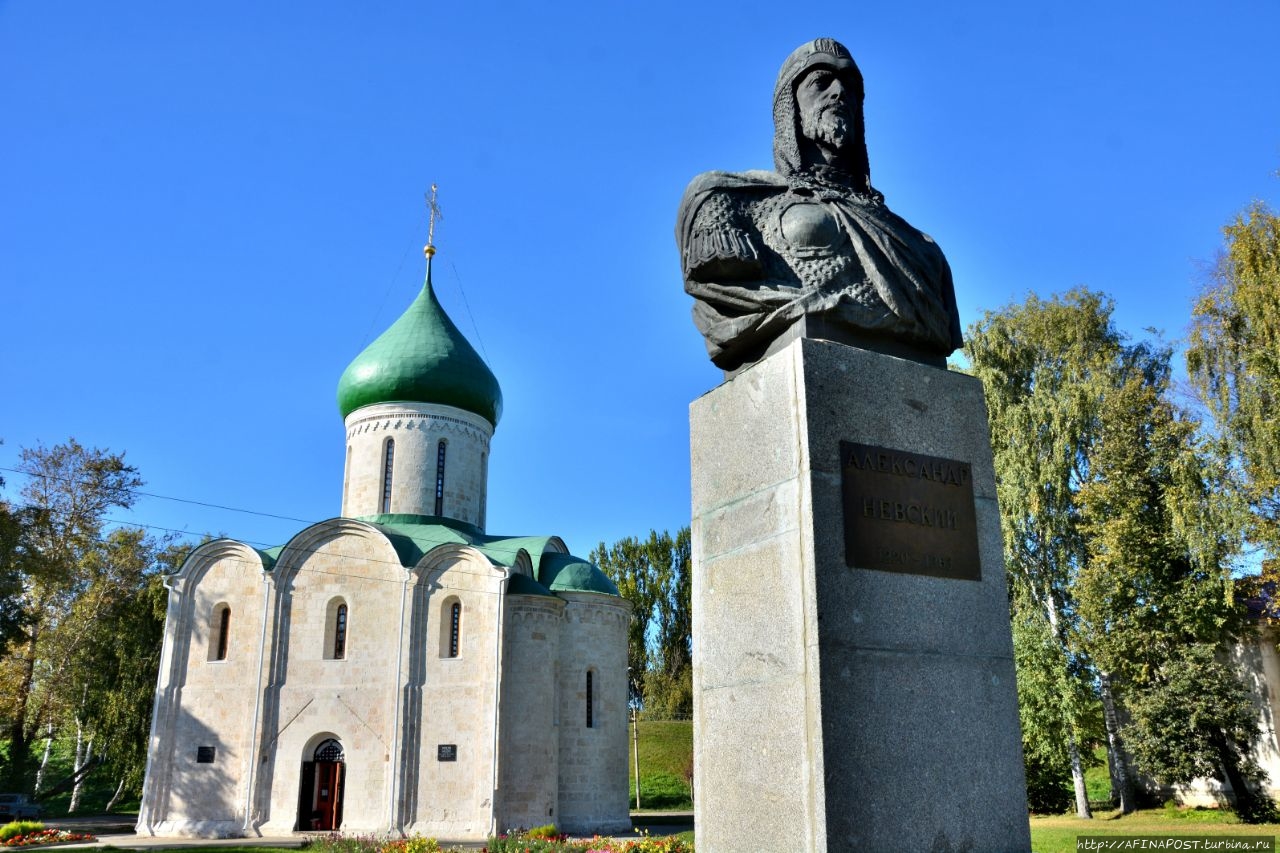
567, 573
524, 585
421, 358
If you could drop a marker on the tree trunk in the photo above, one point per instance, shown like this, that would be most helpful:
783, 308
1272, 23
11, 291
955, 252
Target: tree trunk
1077, 779
115, 798
1246, 802
82, 758
1073, 749
44, 761
1122, 788
70, 780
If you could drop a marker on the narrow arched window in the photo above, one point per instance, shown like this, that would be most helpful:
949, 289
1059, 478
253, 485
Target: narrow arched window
340, 633
450, 631
591, 711
455, 628
387, 462
335, 629
440, 448
220, 633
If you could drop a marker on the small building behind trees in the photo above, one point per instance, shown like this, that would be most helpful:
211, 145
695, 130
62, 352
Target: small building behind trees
397, 668
1255, 658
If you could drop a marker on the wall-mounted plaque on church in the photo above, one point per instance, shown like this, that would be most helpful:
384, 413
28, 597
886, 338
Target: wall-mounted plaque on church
446, 752
909, 513
205, 754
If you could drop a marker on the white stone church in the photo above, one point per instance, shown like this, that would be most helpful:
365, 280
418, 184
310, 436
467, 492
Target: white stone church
396, 669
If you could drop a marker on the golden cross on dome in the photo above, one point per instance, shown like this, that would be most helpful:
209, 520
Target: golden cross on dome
433, 213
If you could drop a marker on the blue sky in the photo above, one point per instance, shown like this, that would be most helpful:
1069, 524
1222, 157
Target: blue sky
208, 209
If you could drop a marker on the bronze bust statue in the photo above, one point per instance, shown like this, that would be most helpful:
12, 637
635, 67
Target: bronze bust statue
811, 250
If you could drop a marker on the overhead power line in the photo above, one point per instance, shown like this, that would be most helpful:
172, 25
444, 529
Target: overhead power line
251, 542
353, 558
191, 501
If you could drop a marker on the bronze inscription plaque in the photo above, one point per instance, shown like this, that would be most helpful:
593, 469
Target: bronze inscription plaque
907, 512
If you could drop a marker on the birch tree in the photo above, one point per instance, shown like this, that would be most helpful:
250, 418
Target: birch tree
1233, 359
1046, 365
1118, 535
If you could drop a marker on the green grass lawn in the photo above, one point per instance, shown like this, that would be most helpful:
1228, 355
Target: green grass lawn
666, 750
1057, 833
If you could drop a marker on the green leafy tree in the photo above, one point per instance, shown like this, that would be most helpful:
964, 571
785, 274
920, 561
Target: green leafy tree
68, 492
1158, 531
655, 576
11, 536
1048, 696
627, 565
1194, 717
1046, 365
669, 683
123, 612
1233, 359
1117, 533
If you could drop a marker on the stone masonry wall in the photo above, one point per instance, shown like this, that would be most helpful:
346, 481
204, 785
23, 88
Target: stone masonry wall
593, 760
204, 701
455, 710
529, 742
421, 730
417, 429
315, 696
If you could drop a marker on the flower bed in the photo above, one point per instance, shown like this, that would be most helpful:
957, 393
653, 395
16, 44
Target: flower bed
523, 842
540, 840
38, 837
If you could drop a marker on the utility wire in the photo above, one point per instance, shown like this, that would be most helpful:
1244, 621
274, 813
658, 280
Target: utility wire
147, 526
391, 283
165, 497
470, 316
250, 542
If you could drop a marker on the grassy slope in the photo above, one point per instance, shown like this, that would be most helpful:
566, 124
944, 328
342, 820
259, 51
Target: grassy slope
1097, 778
666, 749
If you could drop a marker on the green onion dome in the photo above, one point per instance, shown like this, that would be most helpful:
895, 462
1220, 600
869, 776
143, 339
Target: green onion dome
422, 358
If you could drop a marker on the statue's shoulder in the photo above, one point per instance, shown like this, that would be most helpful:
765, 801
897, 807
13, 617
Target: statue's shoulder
714, 232
730, 189
754, 181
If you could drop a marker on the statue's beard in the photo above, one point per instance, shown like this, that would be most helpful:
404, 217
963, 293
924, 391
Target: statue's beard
830, 128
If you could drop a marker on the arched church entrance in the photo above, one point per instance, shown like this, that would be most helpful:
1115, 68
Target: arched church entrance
320, 792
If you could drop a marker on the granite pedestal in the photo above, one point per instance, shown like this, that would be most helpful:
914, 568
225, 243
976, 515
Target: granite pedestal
837, 707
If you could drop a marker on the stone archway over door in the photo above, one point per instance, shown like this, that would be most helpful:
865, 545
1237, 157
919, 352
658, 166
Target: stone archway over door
320, 792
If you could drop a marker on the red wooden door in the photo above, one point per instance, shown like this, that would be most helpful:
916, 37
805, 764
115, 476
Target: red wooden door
327, 801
